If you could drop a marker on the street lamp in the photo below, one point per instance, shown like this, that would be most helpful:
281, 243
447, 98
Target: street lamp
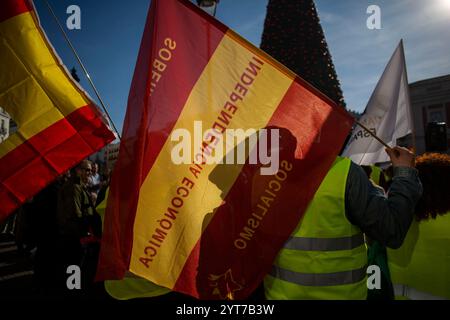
209, 6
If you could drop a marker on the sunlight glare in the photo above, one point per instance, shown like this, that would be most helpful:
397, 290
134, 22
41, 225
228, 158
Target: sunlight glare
445, 4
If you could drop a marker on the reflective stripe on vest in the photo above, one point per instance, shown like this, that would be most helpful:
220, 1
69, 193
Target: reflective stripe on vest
413, 294
319, 279
325, 244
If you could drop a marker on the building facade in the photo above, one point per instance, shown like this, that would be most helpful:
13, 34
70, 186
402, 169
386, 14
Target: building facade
4, 125
106, 157
112, 154
99, 157
430, 102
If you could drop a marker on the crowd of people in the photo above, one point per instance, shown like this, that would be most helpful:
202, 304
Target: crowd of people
400, 214
60, 227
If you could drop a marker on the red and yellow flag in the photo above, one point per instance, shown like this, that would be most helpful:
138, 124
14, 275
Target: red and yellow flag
58, 125
205, 229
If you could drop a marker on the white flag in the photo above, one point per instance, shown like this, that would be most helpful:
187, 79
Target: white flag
388, 114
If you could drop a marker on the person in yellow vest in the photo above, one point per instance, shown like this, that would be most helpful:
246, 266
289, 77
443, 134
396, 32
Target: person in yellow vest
325, 257
420, 268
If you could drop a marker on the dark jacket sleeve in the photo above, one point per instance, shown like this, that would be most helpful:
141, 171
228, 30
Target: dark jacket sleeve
385, 218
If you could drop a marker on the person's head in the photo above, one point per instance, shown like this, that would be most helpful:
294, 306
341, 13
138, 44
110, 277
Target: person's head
64, 177
84, 170
94, 168
434, 172
286, 145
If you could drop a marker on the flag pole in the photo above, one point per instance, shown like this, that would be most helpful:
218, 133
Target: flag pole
372, 134
82, 66
408, 96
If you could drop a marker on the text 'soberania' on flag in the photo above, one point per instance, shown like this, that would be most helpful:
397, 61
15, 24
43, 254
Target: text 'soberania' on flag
211, 229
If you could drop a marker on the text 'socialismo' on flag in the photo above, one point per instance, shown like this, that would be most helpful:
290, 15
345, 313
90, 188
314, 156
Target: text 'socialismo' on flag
206, 228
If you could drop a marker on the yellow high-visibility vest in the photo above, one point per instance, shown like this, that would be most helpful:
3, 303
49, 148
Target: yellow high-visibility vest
132, 288
325, 257
420, 268
376, 173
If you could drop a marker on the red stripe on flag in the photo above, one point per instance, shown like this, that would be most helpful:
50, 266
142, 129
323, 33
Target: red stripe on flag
150, 119
206, 16
216, 266
39, 160
12, 8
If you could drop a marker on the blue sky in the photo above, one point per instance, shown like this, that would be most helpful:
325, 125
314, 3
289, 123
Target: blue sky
111, 32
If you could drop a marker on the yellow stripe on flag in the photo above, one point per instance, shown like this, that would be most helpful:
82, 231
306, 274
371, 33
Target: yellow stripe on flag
39, 84
205, 103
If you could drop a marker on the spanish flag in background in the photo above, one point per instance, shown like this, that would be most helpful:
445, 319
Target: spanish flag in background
58, 124
211, 230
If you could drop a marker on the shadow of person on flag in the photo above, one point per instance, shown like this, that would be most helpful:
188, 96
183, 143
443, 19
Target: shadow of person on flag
241, 237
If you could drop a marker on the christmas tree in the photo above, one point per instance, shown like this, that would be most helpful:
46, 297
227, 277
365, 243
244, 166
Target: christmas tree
293, 35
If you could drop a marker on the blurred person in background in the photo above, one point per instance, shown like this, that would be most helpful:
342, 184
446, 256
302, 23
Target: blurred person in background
420, 268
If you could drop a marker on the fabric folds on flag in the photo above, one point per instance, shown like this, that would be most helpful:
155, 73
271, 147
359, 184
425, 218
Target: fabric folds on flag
205, 229
387, 114
58, 125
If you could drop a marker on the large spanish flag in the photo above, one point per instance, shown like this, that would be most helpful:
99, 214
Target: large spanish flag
205, 229
58, 125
